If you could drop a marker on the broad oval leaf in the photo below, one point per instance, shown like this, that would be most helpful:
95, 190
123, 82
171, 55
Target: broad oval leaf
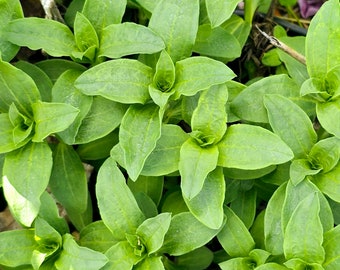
122, 80
104, 116
234, 237
17, 247
195, 164
23, 188
329, 114
52, 118
119, 40
251, 147
329, 183
291, 123
18, 88
248, 105
73, 256
176, 21
321, 56
68, 180
138, 134
308, 246
195, 74
97, 236
64, 91
216, 42
150, 263
207, 205
153, 230
185, 234
167, 150
219, 10
210, 118
53, 37
273, 230
295, 194
102, 13
117, 205
332, 249
9, 10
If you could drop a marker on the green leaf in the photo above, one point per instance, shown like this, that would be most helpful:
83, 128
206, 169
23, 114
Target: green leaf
104, 116
81, 219
248, 174
150, 263
164, 77
128, 38
121, 80
74, 256
97, 236
52, 118
64, 91
167, 150
68, 179
55, 67
176, 21
197, 73
219, 10
151, 186
207, 205
121, 256
291, 123
138, 134
210, 118
185, 234
248, 105
236, 263
7, 142
321, 56
50, 213
299, 169
234, 236
273, 230
153, 230
42, 81
174, 203
295, 194
329, 183
195, 164
18, 88
308, 246
102, 13
24, 187
328, 114
331, 245
251, 147
9, 10
216, 42
84, 33
16, 247
117, 205
55, 38
271, 266
189, 260
245, 206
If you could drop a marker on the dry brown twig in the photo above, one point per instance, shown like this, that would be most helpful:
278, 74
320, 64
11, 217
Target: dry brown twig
279, 44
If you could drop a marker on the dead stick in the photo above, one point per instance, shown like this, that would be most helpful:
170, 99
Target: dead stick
279, 44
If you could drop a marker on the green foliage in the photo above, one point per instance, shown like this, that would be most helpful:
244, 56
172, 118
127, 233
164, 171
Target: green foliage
139, 142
